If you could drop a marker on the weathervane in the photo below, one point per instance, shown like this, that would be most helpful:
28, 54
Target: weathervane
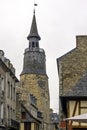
34, 6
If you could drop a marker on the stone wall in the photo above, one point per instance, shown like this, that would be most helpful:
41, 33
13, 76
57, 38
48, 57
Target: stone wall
38, 86
73, 65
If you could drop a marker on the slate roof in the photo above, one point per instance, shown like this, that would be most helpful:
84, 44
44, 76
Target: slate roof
54, 117
34, 30
80, 89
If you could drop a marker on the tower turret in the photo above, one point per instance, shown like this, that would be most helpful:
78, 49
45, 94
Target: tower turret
34, 56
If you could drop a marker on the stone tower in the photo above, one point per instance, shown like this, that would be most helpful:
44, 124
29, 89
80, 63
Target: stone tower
33, 77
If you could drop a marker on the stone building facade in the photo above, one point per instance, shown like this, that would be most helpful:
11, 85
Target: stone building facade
28, 115
33, 79
72, 69
8, 82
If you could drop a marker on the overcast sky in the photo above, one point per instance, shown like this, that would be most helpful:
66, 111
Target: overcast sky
58, 22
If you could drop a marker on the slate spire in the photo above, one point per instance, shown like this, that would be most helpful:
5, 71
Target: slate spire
34, 56
34, 30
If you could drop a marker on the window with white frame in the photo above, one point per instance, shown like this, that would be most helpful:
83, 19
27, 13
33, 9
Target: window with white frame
11, 91
8, 90
2, 110
14, 94
2, 84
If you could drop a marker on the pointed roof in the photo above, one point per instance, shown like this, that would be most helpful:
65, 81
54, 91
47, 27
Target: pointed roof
34, 30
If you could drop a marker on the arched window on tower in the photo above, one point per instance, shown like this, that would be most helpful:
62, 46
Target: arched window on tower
36, 44
29, 44
33, 44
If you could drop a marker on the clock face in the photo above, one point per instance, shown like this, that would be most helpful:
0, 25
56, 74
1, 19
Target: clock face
41, 83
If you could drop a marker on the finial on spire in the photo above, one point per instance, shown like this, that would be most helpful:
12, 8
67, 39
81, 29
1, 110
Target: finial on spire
34, 10
34, 6
34, 30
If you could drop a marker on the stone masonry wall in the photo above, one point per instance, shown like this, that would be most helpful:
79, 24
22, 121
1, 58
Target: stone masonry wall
38, 86
73, 65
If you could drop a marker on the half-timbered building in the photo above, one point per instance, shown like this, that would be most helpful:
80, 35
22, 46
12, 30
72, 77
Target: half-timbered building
72, 69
